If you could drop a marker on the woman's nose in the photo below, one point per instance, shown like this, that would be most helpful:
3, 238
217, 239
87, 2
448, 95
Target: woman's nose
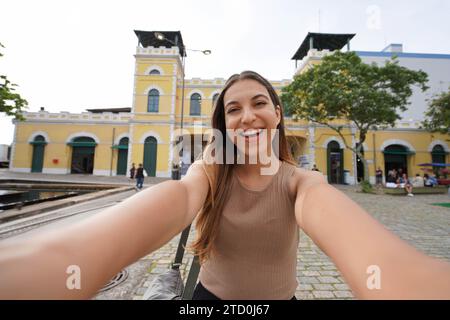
247, 115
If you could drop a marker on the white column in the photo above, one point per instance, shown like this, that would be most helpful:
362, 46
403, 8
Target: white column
172, 118
13, 147
354, 160
130, 128
130, 145
312, 149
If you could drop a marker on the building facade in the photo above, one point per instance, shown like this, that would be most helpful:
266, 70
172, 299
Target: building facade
108, 141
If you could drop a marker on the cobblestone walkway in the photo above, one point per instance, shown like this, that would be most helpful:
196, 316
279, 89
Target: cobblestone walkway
415, 220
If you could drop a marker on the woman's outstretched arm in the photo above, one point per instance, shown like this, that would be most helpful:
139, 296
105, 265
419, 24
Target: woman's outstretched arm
374, 261
36, 267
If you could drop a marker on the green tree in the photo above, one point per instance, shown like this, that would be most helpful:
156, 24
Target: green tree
342, 87
437, 117
11, 102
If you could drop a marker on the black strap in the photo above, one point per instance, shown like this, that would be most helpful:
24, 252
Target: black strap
193, 270
181, 245
191, 280
195, 266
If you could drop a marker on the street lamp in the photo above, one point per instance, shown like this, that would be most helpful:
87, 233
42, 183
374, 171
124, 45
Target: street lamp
161, 37
195, 266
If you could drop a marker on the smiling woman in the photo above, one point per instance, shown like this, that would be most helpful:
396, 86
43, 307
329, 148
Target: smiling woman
249, 111
247, 224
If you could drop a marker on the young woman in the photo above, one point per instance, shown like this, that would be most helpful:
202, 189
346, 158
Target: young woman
403, 182
247, 224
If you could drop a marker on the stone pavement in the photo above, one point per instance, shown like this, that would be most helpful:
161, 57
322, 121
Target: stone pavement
415, 220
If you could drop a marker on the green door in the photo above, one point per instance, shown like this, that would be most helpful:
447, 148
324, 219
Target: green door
122, 157
37, 161
150, 150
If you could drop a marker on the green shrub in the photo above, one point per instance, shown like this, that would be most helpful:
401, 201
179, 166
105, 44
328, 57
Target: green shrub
366, 187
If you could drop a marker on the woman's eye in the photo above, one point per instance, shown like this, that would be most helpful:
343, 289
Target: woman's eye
231, 110
259, 103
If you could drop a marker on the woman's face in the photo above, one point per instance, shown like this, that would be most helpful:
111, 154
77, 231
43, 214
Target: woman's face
250, 116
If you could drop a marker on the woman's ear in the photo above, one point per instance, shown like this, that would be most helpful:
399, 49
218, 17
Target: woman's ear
278, 113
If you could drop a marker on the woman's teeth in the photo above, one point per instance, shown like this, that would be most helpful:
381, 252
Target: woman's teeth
251, 132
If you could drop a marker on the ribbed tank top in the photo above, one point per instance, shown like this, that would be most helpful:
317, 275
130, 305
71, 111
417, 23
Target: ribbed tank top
256, 246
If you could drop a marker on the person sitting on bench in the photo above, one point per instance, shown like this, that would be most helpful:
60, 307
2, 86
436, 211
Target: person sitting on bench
403, 182
418, 181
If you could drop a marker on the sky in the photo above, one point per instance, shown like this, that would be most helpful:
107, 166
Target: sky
73, 55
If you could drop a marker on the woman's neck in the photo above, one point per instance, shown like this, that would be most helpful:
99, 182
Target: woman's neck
256, 170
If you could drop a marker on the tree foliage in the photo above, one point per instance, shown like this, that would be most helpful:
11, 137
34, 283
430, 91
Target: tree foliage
342, 87
437, 117
11, 102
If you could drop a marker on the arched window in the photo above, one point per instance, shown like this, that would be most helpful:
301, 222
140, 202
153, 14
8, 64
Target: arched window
153, 101
214, 100
124, 141
438, 154
196, 101
39, 138
154, 72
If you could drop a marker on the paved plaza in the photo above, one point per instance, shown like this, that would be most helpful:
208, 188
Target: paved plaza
415, 220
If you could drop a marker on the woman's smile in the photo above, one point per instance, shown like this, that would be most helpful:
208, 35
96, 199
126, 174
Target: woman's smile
250, 135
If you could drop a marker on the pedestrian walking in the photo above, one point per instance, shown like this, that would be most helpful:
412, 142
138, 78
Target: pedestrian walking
139, 176
132, 171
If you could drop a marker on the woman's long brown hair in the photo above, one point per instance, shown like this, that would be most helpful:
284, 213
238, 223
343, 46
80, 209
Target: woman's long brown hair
219, 175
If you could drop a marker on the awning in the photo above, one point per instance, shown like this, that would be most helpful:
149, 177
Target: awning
39, 143
434, 164
120, 147
82, 144
439, 153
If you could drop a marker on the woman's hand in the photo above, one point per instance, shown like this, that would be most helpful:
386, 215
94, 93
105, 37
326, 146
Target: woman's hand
100, 246
364, 249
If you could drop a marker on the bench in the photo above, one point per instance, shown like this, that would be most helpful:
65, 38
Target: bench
419, 190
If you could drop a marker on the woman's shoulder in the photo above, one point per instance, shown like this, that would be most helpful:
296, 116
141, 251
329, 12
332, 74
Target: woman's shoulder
301, 179
198, 167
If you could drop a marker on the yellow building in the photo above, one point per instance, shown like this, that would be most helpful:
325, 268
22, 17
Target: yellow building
108, 141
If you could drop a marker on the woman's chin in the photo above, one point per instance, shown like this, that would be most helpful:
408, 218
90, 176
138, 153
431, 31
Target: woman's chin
254, 155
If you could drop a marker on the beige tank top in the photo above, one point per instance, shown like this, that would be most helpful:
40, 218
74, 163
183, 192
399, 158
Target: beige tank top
257, 242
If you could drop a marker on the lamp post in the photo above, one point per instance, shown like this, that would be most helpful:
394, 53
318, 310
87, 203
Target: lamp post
192, 276
160, 36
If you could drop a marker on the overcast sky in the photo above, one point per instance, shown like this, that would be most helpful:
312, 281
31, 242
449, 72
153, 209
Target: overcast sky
73, 55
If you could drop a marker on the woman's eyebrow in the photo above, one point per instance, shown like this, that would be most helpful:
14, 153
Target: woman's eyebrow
259, 96
230, 102
254, 97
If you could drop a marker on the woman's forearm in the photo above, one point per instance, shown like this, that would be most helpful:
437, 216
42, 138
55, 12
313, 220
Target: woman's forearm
100, 246
374, 261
